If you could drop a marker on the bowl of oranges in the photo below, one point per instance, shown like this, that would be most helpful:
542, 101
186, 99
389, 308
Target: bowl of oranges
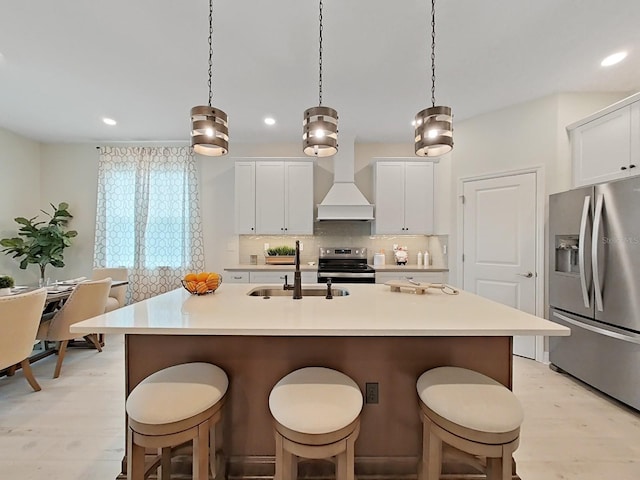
201, 283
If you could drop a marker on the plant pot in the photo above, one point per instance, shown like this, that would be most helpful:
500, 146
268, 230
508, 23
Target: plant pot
280, 259
4, 292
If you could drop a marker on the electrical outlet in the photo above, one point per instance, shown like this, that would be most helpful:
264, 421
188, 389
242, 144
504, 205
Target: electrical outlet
371, 393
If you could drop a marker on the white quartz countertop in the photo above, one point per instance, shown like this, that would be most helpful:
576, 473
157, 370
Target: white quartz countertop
408, 268
244, 267
369, 310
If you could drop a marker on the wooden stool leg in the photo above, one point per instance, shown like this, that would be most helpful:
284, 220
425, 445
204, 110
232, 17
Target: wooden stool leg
135, 458
28, 374
165, 463
201, 453
345, 462
434, 454
61, 351
286, 462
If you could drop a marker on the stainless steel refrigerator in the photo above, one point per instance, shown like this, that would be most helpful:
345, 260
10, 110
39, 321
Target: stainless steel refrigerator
594, 286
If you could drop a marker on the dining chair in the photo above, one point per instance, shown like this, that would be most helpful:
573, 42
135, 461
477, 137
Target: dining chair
19, 320
87, 300
117, 295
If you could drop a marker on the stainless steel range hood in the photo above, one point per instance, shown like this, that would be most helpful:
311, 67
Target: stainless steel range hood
344, 201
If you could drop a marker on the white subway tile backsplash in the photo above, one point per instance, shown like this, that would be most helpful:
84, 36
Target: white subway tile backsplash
346, 234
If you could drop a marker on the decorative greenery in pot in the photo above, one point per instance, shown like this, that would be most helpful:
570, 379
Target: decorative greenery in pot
282, 250
281, 255
41, 243
6, 284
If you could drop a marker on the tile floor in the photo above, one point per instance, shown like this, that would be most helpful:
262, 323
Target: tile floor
74, 428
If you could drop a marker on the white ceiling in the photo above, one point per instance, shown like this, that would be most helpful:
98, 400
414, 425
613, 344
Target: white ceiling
65, 64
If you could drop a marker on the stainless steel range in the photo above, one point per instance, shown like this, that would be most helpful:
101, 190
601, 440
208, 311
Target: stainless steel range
345, 265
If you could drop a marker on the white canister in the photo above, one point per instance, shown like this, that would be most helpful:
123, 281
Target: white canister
427, 258
378, 259
419, 259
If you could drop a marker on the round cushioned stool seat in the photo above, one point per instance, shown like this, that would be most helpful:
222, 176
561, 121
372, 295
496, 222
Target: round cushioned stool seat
177, 393
170, 407
315, 400
470, 399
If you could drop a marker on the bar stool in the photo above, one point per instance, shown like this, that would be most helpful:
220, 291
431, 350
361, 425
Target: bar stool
470, 412
170, 407
316, 414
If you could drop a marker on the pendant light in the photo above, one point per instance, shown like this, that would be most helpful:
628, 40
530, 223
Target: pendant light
433, 125
320, 124
209, 128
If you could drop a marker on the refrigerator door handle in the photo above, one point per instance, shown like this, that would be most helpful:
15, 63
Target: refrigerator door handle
601, 331
581, 240
597, 221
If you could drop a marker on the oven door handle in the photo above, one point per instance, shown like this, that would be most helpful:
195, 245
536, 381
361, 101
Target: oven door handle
346, 275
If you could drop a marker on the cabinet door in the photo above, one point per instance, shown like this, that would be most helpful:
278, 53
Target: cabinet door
601, 149
298, 198
245, 197
236, 277
270, 197
389, 198
418, 198
634, 167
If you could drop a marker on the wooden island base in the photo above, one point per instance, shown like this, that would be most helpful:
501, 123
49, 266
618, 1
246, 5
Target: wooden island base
390, 436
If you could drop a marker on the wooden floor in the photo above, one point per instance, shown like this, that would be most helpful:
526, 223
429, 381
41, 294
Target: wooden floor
74, 428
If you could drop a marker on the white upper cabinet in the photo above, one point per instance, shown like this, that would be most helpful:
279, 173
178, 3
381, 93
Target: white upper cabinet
281, 198
245, 197
404, 197
606, 145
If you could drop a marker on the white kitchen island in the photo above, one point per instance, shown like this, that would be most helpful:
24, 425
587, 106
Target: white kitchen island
373, 335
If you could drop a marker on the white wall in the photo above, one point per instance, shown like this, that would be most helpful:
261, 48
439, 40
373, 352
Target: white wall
19, 195
522, 136
69, 173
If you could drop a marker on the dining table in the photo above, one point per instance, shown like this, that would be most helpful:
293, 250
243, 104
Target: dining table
57, 294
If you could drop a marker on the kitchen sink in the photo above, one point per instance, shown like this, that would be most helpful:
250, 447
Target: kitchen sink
272, 291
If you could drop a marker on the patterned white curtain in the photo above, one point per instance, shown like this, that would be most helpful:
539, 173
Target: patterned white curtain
148, 216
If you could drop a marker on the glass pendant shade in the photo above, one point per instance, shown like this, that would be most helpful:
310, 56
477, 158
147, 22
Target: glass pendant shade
320, 132
209, 131
433, 132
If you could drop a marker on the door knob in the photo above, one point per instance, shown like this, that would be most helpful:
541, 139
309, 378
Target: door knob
526, 275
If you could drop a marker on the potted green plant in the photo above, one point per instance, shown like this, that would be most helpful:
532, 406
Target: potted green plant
281, 255
6, 284
40, 242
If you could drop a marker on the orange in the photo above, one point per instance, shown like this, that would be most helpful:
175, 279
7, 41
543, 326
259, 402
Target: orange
191, 286
212, 282
202, 287
190, 277
202, 276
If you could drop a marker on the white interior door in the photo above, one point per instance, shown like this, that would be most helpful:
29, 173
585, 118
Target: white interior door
499, 244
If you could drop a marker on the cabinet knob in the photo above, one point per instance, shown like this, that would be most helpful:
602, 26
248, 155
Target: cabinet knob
623, 168
251, 228
632, 166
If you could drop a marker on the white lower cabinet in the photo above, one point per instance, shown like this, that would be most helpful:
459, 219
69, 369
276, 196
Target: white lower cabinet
422, 277
235, 277
278, 277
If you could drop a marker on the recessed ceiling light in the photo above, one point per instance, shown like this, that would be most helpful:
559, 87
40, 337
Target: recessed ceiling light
270, 121
613, 59
109, 121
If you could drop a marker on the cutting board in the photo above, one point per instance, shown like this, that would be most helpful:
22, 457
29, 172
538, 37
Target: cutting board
419, 289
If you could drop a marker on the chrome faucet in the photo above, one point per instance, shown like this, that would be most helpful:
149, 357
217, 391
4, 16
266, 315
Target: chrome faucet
297, 279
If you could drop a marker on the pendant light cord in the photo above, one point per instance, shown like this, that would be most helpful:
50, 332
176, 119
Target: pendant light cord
210, 48
433, 53
320, 60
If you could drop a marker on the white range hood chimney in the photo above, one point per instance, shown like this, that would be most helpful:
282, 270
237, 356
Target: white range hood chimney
344, 201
